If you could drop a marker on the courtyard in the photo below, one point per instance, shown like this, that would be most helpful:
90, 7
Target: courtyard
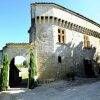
80, 89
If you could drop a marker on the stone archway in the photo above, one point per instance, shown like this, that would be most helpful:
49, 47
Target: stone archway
14, 78
13, 50
18, 72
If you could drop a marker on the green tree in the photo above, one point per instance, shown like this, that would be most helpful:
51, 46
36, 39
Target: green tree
4, 73
31, 70
25, 64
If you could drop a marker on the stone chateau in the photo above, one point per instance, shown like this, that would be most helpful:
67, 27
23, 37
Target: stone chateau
63, 41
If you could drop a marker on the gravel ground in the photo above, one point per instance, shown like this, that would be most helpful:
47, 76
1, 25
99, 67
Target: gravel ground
80, 89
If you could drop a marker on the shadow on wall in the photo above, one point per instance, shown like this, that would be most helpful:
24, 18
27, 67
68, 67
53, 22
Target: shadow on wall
73, 57
72, 60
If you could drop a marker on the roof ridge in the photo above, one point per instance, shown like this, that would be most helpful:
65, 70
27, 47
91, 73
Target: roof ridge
16, 43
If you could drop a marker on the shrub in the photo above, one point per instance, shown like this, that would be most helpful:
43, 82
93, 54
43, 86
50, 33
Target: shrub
32, 71
25, 64
4, 74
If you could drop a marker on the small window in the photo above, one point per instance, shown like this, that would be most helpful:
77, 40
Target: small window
59, 59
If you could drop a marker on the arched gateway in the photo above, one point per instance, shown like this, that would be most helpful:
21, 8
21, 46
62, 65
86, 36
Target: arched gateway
13, 50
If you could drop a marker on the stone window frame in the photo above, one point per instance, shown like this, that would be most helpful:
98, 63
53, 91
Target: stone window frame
87, 44
61, 36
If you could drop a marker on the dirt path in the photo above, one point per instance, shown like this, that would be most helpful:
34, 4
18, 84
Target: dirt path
61, 90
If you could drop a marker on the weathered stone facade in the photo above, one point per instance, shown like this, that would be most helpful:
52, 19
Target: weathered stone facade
55, 54
16, 49
46, 19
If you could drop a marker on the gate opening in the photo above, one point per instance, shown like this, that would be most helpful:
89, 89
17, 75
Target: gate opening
18, 72
89, 72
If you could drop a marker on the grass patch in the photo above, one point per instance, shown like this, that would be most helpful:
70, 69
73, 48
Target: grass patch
24, 75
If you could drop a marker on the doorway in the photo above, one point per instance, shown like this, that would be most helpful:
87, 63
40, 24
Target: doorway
88, 68
18, 72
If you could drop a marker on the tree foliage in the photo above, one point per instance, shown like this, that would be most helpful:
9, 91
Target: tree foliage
4, 74
25, 64
19, 66
31, 70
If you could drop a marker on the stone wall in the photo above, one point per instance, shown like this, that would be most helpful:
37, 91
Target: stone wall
73, 52
63, 14
44, 30
14, 50
44, 49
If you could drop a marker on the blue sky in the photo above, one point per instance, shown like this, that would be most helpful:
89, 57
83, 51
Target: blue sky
15, 16
19, 60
